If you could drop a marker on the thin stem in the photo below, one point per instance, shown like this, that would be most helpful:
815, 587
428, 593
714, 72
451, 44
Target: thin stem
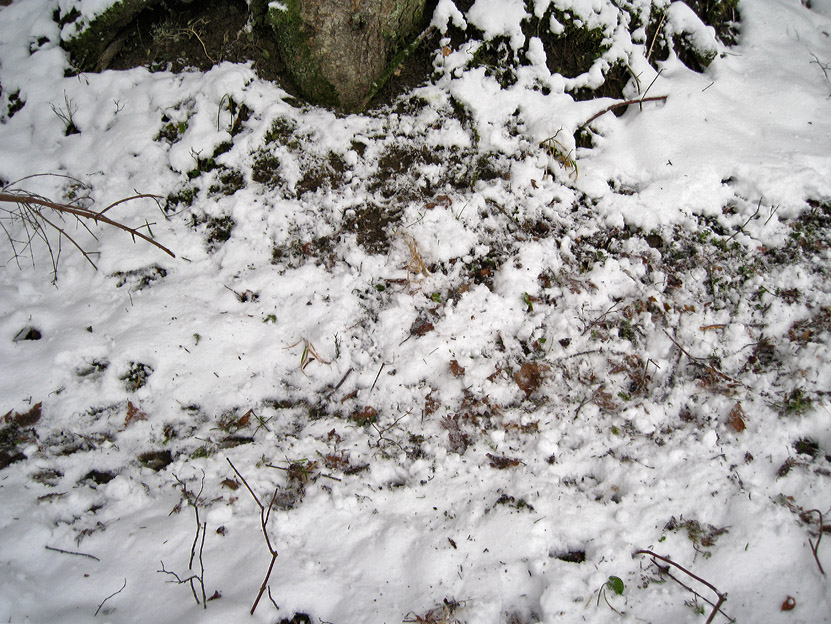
815, 546
721, 596
640, 100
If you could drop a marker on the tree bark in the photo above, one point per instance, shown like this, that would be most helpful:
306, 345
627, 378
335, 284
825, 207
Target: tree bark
336, 51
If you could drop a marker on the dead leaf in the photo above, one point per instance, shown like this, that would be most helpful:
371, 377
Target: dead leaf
501, 463
421, 328
365, 416
27, 419
231, 484
530, 377
134, 414
245, 419
457, 369
736, 418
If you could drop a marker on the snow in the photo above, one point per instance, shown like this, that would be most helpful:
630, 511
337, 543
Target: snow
537, 361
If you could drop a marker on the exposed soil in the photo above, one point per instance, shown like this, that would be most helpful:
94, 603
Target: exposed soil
198, 36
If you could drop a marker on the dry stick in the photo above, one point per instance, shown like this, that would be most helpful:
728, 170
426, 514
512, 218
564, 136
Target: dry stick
340, 383
641, 100
29, 200
815, 547
600, 318
655, 36
383, 364
110, 596
721, 597
200, 529
264, 514
749, 219
70, 552
690, 589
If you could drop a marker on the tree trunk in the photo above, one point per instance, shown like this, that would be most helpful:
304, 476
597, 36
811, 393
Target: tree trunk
337, 51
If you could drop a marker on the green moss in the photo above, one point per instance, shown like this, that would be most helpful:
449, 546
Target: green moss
723, 15
136, 376
574, 51
228, 182
89, 44
15, 103
219, 231
281, 132
185, 197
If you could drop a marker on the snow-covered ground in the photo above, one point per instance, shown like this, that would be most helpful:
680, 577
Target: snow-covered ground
473, 377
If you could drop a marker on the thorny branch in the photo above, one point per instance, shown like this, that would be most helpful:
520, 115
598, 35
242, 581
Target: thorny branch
265, 512
32, 210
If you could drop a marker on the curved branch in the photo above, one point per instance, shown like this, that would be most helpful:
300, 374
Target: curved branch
616, 105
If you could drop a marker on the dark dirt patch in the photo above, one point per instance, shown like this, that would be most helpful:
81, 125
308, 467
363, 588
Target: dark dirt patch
136, 376
156, 460
139, 279
371, 224
198, 35
326, 175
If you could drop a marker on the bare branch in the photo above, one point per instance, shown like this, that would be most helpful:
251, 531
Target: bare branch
31, 209
265, 512
721, 596
110, 596
815, 546
70, 552
616, 105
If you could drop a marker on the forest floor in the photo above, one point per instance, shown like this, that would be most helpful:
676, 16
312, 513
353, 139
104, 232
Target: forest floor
447, 363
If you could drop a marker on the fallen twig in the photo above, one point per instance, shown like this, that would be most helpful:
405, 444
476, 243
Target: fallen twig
108, 597
749, 219
640, 100
815, 546
265, 512
194, 579
721, 596
70, 552
600, 318
31, 210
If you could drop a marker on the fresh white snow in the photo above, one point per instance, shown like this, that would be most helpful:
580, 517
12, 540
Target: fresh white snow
446, 419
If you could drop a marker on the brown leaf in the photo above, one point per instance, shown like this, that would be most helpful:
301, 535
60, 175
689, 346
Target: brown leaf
529, 377
27, 419
421, 328
133, 414
245, 419
457, 369
431, 405
231, 484
736, 419
365, 416
501, 463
